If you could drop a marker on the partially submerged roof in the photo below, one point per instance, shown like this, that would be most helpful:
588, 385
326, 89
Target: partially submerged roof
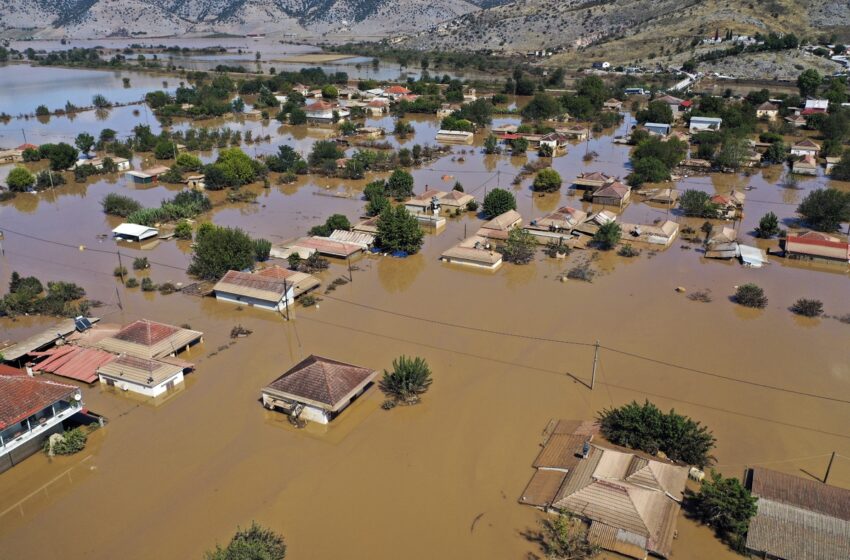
149, 339
613, 190
798, 518
327, 246
563, 218
22, 396
504, 222
135, 230
41, 340
321, 382
456, 198
74, 362
246, 284
140, 371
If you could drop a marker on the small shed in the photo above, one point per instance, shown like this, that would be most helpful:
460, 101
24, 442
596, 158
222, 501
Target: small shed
660, 129
317, 389
699, 124
252, 290
134, 232
615, 194
454, 137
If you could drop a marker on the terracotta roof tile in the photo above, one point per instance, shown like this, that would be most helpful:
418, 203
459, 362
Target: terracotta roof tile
325, 382
22, 396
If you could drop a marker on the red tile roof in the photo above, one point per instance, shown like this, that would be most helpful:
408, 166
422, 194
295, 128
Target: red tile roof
27, 147
322, 380
145, 332
275, 272
397, 90
815, 238
23, 396
319, 106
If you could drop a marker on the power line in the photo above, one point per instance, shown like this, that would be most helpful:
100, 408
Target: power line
615, 350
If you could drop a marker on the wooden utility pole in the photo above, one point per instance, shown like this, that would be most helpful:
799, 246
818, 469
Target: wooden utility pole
829, 467
595, 362
286, 297
120, 267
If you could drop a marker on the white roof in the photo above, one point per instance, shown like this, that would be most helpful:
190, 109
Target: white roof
752, 256
817, 104
707, 119
135, 230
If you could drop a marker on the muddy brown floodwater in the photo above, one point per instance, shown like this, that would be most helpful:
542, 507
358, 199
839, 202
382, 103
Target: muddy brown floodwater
172, 478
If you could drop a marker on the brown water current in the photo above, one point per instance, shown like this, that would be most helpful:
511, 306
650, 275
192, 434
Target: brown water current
509, 351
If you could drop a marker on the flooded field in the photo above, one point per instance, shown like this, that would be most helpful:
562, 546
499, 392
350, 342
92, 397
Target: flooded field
509, 351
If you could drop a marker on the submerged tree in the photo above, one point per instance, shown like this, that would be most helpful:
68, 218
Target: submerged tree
725, 505
498, 201
254, 543
409, 379
398, 230
564, 538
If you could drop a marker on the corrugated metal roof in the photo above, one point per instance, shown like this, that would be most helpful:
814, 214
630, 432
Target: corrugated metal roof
254, 286
793, 533
139, 370
562, 451
40, 340
617, 540
328, 246
75, 362
800, 492
543, 487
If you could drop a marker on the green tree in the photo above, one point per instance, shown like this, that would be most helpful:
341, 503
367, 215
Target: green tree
646, 427
20, 179
254, 543
732, 153
777, 152
188, 162
164, 149
119, 205
648, 170
84, 142
841, 171
334, 222
542, 106
768, 226
808, 82
61, 155
656, 112
183, 230
219, 249
825, 209
330, 92
491, 144
725, 505
498, 201
519, 247
100, 102
400, 184
409, 379
608, 235
377, 204
324, 151
398, 230
519, 146
547, 180
697, 204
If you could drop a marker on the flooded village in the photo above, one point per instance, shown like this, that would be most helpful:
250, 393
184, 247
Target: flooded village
552, 255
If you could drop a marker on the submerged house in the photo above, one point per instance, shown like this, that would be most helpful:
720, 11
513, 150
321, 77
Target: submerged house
814, 245
151, 340
730, 205
428, 202
475, 251
797, 518
593, 180
699, 124
557, 226
147, 176
662, 233
806, 166
614, 194
456, 200
146, 377
630, 500
500, 226
454, 136
134, 232
659, 129
324, 111
805, 147
317, 389
271, 288
767, 110
31, 410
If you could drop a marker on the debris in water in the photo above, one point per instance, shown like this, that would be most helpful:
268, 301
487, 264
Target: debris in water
239, 332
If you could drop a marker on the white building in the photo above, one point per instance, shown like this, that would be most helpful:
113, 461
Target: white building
252, 290
134, 232
146, 377
324, 111
705, 123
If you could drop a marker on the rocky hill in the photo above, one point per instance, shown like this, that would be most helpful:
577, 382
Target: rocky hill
157, 18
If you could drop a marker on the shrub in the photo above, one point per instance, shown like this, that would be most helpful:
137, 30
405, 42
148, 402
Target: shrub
48, 179
334, 222
608, 235
256, 542
556, 248
119, 271
581, 272
498, 201
750, 295
400, 184
564, 538
20, 179
167, 288
262, 249
725, 505
119, 205
73, 441
472, 206
308, 300
183, 230
698, 204
627, 250
647, 428
140, 263
408, 381
148, 285
702, 296
808, 307
547, 180
131, 283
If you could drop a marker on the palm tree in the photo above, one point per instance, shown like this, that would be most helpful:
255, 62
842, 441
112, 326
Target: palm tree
409, 379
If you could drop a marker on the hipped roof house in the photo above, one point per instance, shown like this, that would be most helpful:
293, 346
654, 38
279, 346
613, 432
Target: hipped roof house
149, 340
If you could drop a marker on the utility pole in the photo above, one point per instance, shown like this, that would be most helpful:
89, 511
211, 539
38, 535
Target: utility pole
286, 298
120, 267
24, 132
120, 305
829, 467
595, 362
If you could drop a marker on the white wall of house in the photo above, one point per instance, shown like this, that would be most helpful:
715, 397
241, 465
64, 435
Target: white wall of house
154, 391
39, 430
258, 303
804, 151
474, 264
